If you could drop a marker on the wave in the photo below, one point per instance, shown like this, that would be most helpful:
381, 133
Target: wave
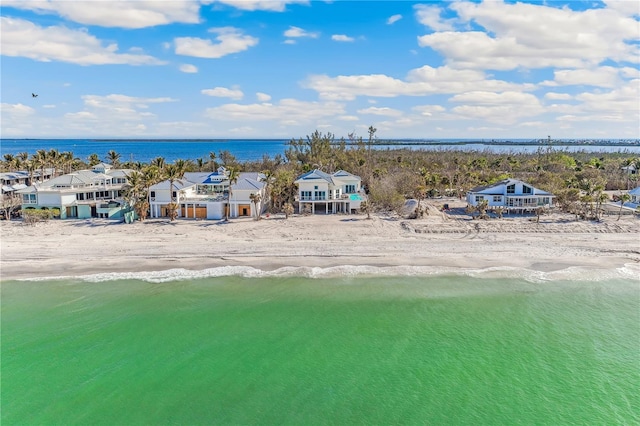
630, 271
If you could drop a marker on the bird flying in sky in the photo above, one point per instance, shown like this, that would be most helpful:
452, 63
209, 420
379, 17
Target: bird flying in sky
33, 95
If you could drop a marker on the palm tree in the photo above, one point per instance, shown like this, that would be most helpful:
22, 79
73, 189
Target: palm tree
135, 194
114, 158
268, 177
54, 159
623, 199
10, 161
40, 158
255, 199
93, 159
233, 175
174, 173
158, 162
212, 157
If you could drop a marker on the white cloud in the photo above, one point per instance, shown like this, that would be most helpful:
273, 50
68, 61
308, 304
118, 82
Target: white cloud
25, 39
505, 107
430, 17
419, 82
188, 68
223, 92
269, 5
601, 77
287, 111
16, 109
390, 112
263, 97
16, 119
297, 32
428, 110
535, 36
393, 19
348, 118
341, 37
620, 104
558, 96
115, 114
626, 7
230, 40
123, 13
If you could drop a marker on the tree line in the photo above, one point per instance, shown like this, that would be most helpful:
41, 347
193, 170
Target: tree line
389, 176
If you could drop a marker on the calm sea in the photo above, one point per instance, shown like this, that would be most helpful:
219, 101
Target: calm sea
243, 149
295, 350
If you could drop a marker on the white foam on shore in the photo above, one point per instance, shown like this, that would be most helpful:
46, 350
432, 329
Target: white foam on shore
628, 272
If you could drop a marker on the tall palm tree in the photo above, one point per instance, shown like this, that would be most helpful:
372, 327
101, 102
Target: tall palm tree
93, 159
40, 158
159, 162
54, 160
175, 173
232, 177
135, 194
623, 199
114, 158
255, 199
10, 161
212, 157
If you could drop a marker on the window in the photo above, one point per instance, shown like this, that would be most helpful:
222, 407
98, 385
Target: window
153, 194
497, 198
29, 199
511, 189
349, 189
320, 195
175, 194
305, 195
80, 196
315, 187
479, 198
527, 189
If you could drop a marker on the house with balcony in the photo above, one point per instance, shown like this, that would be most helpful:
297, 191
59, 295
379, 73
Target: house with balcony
209, 195
320, 192
14, 181
83, 194
511, 194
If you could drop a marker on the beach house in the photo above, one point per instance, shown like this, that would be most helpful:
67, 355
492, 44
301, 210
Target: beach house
511, 194
210, 195
14, 181
320, 192
97, 192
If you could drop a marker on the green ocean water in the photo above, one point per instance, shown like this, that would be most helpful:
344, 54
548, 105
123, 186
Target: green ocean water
442, 350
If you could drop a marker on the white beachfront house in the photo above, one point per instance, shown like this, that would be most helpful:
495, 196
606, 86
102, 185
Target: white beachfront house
83, 194
209, 195
511, 194
340, 192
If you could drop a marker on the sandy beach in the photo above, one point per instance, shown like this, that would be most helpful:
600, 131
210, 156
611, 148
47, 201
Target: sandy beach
453, 240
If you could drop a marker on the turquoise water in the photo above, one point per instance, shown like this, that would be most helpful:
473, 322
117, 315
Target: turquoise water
355, 197
341, 351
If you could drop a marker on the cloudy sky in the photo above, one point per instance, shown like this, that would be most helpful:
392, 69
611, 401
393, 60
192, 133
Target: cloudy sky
282, 69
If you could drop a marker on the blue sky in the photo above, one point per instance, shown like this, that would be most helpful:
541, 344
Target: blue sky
282, 69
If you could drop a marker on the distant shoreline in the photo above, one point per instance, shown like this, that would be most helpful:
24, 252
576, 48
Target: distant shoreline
378, 142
